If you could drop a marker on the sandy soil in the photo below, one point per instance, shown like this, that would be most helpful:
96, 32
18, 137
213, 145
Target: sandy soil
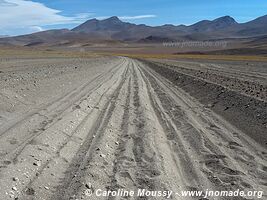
71, 126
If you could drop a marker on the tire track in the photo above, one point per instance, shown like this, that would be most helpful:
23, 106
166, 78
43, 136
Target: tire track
54, 104
138, 163
48, 122
72, 181
79, 127
45, 107
49, 130
114, 184
146, 169
217, 163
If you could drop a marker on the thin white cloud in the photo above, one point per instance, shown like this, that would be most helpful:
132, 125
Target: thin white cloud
22, 14
128, 17
137, 17
36, 28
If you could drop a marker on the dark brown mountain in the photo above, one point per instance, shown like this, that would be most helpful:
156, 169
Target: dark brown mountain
254, 27
110, 24
216, 25
113, 29
223, 27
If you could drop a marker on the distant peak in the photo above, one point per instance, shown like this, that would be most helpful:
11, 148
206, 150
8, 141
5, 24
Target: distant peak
94, 19
114, 18
168, 25
261, 19
226, 19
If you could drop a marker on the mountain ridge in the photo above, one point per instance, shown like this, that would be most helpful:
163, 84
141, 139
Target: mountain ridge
114, 29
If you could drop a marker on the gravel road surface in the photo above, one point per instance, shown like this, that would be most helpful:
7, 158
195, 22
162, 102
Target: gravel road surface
70, 127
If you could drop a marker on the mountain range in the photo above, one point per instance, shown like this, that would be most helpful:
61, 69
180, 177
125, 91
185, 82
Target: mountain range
114, 30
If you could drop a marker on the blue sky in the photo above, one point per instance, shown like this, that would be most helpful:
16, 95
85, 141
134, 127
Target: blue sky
27, 16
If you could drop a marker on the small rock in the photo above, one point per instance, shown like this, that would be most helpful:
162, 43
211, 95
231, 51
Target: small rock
78, 107
226, 108
37, 163
47, 188
88, 185
14, 188
209, 105
234, 183
102, 155
117, 143
15, 179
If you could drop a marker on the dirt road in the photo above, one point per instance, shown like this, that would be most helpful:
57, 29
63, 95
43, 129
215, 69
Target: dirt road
117, 125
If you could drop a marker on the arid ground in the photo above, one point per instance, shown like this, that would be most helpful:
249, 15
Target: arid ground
70, 126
